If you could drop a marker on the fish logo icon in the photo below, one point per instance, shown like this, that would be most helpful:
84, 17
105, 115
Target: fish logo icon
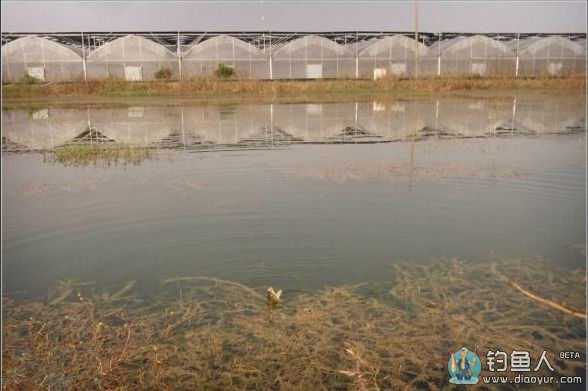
464, 367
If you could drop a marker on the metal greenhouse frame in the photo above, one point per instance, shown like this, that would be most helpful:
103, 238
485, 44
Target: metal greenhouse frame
279, 55
477, 55
131, 57
203, 58
43, 59
393, 55
312, 57
549, 56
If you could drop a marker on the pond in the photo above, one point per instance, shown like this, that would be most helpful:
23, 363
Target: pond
139, 240
296, 195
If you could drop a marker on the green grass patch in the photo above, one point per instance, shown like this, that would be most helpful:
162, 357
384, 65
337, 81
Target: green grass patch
100, 154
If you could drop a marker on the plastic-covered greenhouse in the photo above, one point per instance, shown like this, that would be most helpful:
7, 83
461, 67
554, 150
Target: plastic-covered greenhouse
137, 125
477, 55
549, 56
285, 55
393, 55
43, 128
225, 124
40, 58
203, 59
131, 58
312, 57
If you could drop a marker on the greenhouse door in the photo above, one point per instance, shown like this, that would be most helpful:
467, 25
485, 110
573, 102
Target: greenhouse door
379, 73
314, 71
478, 68
398, 69
133, 73
36, 72
554, 68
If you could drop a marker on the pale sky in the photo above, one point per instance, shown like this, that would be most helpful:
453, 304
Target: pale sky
435, 16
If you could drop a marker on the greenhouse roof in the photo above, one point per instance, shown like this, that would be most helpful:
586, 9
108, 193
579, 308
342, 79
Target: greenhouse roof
33, 48
214, 43
462, 42
310, 41
384, 44
126, 48
535, 44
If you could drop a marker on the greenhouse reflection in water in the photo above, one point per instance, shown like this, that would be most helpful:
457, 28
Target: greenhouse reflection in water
268, 125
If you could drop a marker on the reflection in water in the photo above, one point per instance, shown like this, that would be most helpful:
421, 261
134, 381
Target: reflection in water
305, 214
261, 126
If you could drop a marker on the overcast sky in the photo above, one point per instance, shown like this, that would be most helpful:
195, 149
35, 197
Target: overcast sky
435, 16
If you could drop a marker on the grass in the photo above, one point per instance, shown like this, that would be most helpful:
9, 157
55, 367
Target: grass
100, 154
28, 79
287, 89
209, 334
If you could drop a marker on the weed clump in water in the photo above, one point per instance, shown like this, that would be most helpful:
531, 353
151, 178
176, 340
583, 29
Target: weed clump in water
100, 154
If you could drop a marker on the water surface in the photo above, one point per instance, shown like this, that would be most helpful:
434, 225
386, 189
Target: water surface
298, 196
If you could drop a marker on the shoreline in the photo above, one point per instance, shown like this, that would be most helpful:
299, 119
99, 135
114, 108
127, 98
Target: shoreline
285, 91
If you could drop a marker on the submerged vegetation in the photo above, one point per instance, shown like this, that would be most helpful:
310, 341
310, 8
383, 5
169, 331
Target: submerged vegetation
356, 171
99, 154
205, 333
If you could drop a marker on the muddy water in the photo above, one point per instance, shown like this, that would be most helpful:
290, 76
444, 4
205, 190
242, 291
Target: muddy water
295, 195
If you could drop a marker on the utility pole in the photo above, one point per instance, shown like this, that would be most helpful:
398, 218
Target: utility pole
84, 60
416, 39
518, 58
179, 55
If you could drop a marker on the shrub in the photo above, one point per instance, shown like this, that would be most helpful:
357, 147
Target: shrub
163, 74
28, 79
224, 71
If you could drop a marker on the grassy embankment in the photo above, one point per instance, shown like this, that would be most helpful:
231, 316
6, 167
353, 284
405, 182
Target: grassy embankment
287, 90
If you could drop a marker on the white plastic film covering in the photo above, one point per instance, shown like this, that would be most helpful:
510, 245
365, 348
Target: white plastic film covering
36, 72
133, 73
41, 58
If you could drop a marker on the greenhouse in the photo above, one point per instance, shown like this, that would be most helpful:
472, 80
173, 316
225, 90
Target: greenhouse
393, 55
314, 122
204, 58
552, 116
225, 124
41, 58
312, 57
470, 118
549, 56
475, 55
137, 125
132, 58
42, 128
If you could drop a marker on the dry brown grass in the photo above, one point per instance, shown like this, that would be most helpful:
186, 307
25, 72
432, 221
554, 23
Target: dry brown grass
203, 333
286, 88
